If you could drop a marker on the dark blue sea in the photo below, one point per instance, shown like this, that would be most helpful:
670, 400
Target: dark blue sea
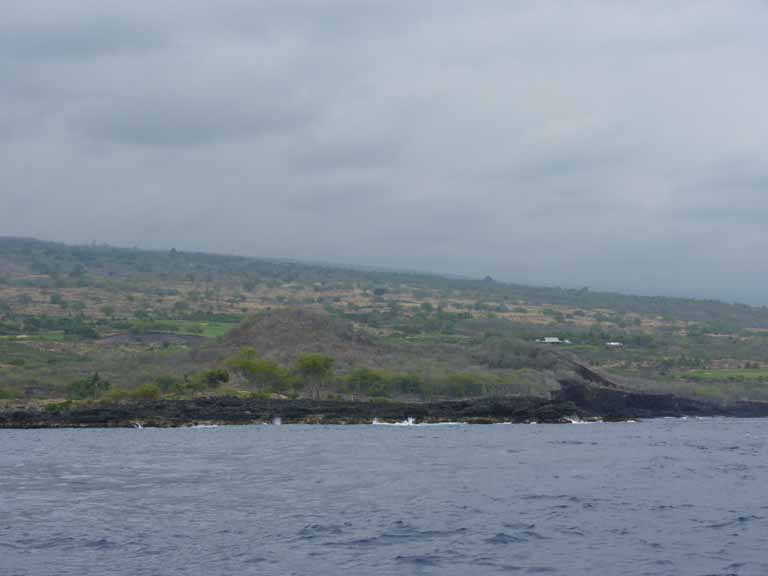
674, 497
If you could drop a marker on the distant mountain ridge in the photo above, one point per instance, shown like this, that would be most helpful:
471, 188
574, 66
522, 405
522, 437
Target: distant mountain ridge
27, 261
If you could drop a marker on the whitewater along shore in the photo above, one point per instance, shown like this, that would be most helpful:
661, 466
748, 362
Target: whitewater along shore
575, 401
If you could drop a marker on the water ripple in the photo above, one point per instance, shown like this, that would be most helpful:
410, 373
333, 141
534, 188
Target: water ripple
664, 497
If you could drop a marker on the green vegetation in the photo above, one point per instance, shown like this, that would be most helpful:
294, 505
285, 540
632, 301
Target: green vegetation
315, 371
260, 374
183, 327
8, 394
88, 388
743, 375
141, 393
175, 324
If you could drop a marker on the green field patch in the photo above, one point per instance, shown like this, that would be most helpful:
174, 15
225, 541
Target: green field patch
185, 327
207, 329
581, 347
44, 337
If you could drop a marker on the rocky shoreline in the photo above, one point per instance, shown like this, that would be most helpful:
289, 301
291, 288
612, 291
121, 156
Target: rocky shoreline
576, 401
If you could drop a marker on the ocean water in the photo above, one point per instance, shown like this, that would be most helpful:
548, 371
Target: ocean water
658, 497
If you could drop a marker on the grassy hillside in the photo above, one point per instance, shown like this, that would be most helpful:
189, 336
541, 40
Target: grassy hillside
165, 319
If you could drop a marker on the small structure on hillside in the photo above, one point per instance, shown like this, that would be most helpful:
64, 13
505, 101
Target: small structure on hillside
614, 345
552, 340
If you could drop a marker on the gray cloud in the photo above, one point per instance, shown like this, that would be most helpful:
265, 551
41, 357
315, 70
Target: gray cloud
355, 155
167, 124
77, 39
617, 145
322, 20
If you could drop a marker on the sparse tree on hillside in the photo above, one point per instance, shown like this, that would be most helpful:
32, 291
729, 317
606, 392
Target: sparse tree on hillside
315, 371
88, 388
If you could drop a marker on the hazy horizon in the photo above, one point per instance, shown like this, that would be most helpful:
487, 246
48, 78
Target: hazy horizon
386, 269
615, 146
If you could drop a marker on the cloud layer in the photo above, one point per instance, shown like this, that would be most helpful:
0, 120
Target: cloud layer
618, 145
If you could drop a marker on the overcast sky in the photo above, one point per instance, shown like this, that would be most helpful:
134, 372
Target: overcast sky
619, 145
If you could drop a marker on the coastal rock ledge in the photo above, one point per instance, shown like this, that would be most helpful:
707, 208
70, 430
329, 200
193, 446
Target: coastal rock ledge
575, 401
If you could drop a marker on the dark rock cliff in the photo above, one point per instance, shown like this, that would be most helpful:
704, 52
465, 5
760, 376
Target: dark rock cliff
576, 400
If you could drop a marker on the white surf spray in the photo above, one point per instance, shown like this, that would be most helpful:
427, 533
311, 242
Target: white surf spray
577, 420
406, 422
412, 422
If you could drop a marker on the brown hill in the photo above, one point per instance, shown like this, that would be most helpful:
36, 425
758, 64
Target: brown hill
284, 334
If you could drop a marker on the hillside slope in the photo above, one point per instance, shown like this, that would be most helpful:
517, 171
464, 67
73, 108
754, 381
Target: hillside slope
134, 315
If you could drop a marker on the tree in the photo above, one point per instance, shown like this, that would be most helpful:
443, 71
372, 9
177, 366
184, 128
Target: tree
58, 300
368, 382
259, 372
214, 378
315, 371
88, 388
407, 384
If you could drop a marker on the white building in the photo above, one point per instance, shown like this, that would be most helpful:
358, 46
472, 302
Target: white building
552, 340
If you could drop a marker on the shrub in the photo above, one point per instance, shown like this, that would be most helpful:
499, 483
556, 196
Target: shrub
216, 377
80, 330
198, 382
145, 392
231, 391
456, 385
169, 382
88, 388
372, 383
59, 406
115, 395
6, 394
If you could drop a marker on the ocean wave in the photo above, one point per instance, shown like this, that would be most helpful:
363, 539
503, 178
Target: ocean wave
412, 422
